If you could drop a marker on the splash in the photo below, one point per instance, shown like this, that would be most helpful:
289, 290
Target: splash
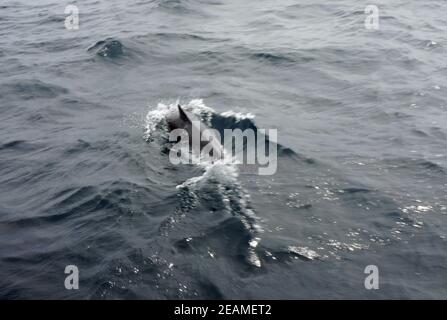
156, 118
237, 115
219, 180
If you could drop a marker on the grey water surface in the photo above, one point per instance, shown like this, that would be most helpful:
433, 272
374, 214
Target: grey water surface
85, 177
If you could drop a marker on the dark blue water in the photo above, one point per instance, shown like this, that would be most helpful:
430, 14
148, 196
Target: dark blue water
85, 177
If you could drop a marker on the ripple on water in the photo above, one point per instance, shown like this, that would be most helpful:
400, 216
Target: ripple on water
108, 48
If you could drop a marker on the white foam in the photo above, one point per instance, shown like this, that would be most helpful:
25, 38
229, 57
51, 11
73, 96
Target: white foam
156, 119
237, 115
303, 251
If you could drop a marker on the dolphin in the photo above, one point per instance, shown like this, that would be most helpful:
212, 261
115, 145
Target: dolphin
181, 119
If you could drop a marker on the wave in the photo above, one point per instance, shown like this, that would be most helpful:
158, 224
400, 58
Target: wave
32, 89
108, 48
273, 58
417, 163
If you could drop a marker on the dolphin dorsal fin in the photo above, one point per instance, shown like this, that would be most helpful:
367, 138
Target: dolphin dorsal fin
182, 113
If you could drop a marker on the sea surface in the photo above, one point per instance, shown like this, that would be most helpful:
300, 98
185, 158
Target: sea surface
85, 176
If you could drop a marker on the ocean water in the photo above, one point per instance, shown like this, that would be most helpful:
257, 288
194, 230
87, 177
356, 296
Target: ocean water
85, 177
